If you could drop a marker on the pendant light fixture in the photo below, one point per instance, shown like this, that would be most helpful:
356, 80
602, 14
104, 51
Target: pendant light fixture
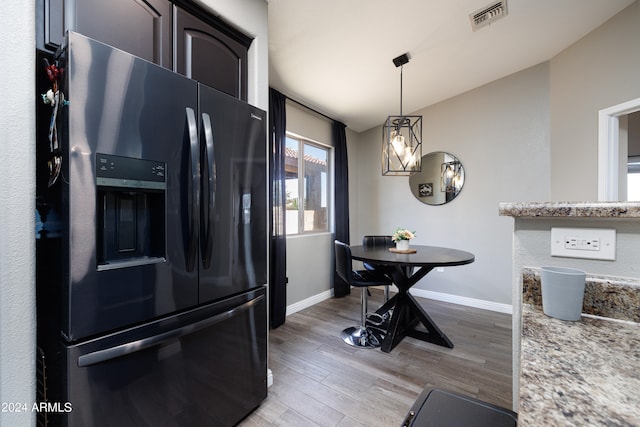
401, 137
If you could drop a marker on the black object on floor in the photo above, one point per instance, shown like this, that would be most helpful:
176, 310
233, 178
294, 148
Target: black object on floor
441, 408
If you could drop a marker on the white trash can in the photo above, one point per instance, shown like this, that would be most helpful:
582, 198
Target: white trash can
562, 292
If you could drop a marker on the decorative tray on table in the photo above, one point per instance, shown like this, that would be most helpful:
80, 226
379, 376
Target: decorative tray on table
403, 251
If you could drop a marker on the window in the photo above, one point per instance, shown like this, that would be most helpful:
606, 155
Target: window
307, 197
633, 179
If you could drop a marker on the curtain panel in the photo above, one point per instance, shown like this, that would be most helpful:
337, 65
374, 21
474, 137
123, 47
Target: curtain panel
340, 287
278, 247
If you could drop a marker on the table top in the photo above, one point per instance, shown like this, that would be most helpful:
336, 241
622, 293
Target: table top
431, 256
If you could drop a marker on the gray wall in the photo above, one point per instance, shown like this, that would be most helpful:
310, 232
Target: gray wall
531, 136
509, 135
17, 205
310, 257
597, 72
309, 262
500, 134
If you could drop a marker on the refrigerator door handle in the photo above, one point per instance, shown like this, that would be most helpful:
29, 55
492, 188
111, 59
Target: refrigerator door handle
192, 244
107, 354
208, 219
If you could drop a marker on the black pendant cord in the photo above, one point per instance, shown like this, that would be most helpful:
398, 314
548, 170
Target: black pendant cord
401, 68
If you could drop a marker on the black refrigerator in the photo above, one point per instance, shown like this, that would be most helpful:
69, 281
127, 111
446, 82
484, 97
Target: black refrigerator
151, 247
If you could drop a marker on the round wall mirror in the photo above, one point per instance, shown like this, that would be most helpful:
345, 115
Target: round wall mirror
440, 180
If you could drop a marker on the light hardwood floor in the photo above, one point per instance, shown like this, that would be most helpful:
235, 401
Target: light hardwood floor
321, 381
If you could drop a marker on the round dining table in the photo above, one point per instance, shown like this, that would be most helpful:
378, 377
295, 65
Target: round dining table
406, 269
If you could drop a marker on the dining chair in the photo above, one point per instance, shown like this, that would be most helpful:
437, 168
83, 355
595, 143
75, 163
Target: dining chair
361, 335
374, 241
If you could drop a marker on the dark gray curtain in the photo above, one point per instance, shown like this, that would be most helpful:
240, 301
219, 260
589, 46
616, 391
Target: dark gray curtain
340, 288
278, 247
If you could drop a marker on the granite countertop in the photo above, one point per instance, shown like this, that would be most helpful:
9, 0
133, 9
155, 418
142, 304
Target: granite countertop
583, 373
606, 210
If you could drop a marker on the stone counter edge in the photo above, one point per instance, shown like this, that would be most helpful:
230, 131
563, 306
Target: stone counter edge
606, 210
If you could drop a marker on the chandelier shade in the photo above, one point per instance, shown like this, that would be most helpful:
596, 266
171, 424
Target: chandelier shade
402, 145
401, 138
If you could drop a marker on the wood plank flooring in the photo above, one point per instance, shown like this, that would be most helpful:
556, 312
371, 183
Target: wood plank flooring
321, 381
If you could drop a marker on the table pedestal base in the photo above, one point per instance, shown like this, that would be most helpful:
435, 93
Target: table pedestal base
407, 314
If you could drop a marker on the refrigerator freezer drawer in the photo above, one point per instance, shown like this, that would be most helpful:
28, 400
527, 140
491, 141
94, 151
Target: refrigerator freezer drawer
210, 369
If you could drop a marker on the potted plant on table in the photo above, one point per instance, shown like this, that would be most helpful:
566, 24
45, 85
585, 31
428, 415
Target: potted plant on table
402, 237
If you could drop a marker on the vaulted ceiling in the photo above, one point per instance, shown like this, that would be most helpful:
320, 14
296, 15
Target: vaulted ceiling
336, 55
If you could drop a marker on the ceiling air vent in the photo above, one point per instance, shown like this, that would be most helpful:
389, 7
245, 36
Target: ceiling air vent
487, 15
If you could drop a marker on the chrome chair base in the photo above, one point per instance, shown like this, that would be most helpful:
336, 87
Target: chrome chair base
360, 337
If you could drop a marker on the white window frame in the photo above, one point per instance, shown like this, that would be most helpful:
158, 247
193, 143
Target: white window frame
302, 140
608, 148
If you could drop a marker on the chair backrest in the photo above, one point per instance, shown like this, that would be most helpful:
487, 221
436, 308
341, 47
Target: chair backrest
344, 262
378, 241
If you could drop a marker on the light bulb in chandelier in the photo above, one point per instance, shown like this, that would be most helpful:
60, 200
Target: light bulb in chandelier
410, 158
398, 143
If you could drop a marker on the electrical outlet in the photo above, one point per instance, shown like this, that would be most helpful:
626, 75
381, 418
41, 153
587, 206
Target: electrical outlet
578, 243
591, 243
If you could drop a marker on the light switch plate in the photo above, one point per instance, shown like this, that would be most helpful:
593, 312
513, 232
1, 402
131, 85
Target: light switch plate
590, 243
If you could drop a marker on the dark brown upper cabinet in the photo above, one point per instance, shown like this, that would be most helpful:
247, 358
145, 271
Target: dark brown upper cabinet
205, 48
140, 27
210, 55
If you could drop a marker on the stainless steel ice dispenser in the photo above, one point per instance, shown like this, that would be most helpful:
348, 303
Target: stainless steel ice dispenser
131, 211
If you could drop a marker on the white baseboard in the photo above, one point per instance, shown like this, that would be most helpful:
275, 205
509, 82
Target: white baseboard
308, 302
269, 377
438, 296
466, 301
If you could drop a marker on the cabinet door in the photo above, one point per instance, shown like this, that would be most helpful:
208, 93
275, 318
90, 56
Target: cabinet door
210, 56
50, 24
140, 27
